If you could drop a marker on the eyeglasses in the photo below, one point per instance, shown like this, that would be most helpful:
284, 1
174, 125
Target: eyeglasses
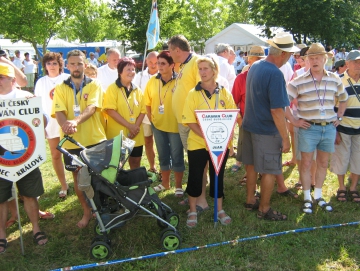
52, 63
162, 63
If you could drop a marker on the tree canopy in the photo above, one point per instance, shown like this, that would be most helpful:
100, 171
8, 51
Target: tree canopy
332, 22
35, 21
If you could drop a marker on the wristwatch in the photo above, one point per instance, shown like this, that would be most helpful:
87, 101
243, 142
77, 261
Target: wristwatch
340, 118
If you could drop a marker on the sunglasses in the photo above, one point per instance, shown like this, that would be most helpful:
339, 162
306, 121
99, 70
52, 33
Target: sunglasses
52, 63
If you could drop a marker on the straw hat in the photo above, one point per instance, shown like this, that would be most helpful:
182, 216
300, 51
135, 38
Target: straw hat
284, 42
257, 51
318, 49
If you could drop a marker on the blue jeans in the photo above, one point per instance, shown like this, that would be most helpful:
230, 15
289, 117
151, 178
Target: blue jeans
170, 150
317, 137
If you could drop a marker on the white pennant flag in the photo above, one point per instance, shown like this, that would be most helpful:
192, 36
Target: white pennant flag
217, 127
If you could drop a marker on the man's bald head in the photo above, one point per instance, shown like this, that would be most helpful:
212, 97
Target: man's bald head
151, 62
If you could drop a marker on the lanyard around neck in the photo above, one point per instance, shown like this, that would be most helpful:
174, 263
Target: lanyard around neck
216, 99
160, 87
318, 91
127, 102
74, 88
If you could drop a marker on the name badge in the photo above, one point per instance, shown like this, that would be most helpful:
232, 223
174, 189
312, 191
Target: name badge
322, 113
76, 109
132, 119
161, 109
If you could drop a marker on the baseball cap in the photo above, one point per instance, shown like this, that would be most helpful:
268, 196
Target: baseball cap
339, 63
353, 55
7, 70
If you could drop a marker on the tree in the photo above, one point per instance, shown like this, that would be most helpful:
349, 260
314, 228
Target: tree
238, 12
92, 23
35, 21
327, 21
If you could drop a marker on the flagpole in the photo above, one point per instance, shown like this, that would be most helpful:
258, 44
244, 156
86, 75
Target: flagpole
146, 44
19, 221
215, 200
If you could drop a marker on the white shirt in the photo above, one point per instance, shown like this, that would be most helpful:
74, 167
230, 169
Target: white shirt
45, 88
340, 56
287, 71
93, 61
140, 80
18, 63
227, 71
106, 76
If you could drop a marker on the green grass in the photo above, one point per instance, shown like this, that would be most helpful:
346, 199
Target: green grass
323, 249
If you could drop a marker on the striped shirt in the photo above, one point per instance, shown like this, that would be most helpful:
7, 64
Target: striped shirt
351, 120
312, 97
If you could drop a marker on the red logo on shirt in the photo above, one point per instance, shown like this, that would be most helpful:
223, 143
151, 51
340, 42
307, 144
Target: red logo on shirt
86, 96
51, 93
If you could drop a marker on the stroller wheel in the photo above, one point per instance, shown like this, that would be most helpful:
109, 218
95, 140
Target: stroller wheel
173, 219
98, 231
171, 240
100, 250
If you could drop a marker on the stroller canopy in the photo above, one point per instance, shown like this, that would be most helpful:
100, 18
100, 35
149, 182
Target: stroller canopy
104, 158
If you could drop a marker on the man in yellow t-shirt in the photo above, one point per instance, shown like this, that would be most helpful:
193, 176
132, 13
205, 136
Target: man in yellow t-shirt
103, 58
77, 107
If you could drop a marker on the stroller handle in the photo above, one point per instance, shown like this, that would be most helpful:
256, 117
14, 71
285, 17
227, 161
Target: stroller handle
152, 176
69, 138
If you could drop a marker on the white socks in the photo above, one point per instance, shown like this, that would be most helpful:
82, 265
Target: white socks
317, 193
307, 195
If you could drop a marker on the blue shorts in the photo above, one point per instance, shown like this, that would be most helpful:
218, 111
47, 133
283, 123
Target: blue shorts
317, 137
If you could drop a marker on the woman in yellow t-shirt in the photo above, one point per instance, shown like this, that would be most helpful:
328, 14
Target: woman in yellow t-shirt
158, 101
207, 95
125, 107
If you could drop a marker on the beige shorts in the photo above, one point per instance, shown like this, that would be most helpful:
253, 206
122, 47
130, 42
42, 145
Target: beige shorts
347, 154
30, 78
147, 129
184, 134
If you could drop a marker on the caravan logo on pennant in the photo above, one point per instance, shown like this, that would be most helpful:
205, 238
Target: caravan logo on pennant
217, 127
21, 127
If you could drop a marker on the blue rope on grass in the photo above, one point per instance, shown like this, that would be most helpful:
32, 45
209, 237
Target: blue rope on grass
161, 254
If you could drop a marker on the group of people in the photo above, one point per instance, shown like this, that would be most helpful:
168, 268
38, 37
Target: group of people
158, 105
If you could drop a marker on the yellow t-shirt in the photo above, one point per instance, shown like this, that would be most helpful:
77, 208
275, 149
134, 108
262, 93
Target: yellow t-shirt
187, 79
129, 108
102, 58
154, 92
91, 131
198, 100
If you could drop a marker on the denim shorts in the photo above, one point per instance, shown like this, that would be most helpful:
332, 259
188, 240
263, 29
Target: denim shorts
170, 150
317, 137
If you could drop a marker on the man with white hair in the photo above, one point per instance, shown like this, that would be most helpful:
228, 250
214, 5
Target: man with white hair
140, 80
226, 70
107, 74
316, 92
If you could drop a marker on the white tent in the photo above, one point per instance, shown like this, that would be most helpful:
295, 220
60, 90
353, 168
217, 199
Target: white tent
241, 36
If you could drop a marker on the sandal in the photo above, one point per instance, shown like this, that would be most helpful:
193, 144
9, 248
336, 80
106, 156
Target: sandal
159, 188
63, 193
324, 205
354, 196
38, 237
243, 181
235, 168
179, 192
3, 244
298, 186
199, 209
252, 207
191, 223
9, 223
271, 215
288, 193
307, 207
46, 215
184, 202
341, 195
226, 220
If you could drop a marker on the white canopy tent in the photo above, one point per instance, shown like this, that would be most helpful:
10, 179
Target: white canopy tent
240, 36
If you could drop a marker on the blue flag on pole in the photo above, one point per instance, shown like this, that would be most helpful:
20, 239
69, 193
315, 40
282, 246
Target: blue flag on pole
153, 30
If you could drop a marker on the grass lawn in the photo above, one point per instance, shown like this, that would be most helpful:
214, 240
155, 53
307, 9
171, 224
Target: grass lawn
322, 249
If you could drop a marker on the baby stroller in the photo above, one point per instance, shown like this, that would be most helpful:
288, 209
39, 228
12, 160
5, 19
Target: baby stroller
117, 195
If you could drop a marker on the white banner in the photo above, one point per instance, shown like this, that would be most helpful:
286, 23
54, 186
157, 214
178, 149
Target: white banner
217, 127
22, 137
